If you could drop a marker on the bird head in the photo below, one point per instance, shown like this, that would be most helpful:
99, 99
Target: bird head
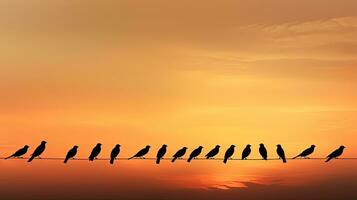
313, 146
147, 146
233, 146
248, 145
26, 146
262, 145
342, 147
75, 147
118, 145
164, 145
217, 146
43, 142
99, 144
200, 147
278, 145
184, 148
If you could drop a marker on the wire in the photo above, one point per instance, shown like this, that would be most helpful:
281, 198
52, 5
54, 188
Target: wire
151, 158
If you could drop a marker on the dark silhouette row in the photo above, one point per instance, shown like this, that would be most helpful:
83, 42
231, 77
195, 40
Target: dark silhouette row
178, 155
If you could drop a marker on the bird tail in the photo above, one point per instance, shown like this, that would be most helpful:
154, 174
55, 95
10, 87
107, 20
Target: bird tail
158, 160
295, 157
225, 160
9, 157
131, 158
31, 158
91, 158
112, 161
173, 160
189, 160
328, 159
284, 160
65, 160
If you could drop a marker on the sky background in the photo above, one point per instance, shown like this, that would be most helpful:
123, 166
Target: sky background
183, 73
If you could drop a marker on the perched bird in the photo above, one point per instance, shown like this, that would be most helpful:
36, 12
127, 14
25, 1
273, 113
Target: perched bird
161, 153
306, 152
71, 153
229, 153
19, 152
115, 152
179, 154
95, 152
246, 152
213, 152
281, 153
263, 152
141, 153
38, 151
195, 153
337, 153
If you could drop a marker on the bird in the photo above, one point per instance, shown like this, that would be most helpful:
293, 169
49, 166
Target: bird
141, 153
306, 152
335, 154
95, 152
161, 153
195, 153
179, 154
213, 152
38, 151
229, 153
263, 152
246, 152
19, 152
115, 152
71, 153
281, 153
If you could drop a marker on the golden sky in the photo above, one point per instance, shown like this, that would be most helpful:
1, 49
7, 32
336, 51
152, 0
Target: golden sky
184, 73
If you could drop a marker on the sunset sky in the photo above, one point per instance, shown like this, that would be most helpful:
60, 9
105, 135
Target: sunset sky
183, 73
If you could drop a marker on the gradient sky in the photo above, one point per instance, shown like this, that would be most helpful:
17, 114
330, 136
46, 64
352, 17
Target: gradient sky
184, 73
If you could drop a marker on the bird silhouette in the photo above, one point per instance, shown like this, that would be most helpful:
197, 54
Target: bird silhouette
335, 154
141, 153
195, 153
179, 154
19, 152
71, 153
161, 153
281, 153
263, 151
213, 152
229, 153
38, 151
306, 152
115, 152
246, 152
95, 152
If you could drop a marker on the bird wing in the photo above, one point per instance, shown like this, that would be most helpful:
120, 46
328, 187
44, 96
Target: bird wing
38, 150
140, 153
333, 154
179, 153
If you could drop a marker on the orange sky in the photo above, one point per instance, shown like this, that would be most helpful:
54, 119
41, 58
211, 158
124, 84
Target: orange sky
182, 73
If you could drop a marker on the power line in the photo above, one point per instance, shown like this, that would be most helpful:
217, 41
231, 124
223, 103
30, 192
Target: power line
184, 159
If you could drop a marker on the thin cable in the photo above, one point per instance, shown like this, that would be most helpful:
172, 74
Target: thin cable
151, 158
